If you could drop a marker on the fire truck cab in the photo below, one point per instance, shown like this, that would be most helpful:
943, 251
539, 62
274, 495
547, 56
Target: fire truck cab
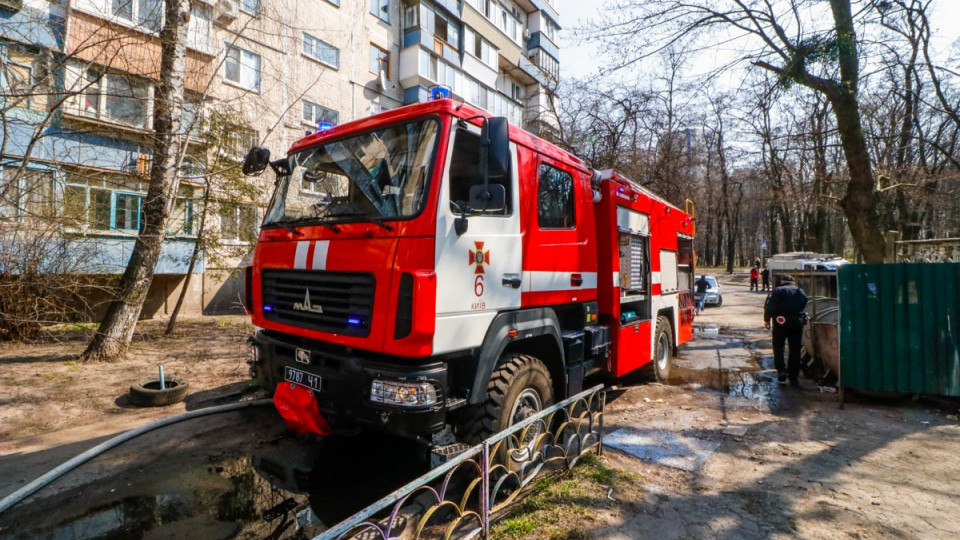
436, 273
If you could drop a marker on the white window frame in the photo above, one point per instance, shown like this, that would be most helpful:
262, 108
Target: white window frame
238, 239
253, 12
314, 107
256, 87
314, 41
376, 9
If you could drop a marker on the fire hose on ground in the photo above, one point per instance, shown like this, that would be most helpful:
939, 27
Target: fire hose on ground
50, 476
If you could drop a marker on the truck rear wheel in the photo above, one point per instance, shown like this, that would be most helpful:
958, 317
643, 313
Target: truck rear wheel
519, 388
663, 349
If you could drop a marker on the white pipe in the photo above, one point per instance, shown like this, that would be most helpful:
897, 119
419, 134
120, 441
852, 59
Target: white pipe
39, 483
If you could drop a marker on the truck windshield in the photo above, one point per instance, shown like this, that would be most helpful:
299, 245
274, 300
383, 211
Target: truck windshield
377, 175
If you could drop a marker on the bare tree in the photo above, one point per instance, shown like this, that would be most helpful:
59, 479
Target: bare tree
792, 47
116, 328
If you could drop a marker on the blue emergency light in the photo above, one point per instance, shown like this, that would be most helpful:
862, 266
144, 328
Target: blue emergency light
324, 125
439, 92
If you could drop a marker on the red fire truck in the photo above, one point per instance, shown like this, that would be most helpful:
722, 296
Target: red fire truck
439, 274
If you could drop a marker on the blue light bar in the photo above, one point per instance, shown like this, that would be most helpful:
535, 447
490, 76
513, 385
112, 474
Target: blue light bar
439, 92
323, 126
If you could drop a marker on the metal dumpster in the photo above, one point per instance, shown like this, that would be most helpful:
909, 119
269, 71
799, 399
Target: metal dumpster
900, 327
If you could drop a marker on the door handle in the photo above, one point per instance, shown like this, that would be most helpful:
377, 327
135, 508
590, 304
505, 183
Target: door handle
511, 280
576, 280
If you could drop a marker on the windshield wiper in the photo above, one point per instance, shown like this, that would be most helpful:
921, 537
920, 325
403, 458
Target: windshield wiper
331, 226
365, 217
289, 227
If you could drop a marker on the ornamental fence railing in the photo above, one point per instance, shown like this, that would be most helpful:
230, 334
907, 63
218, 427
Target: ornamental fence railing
462, 497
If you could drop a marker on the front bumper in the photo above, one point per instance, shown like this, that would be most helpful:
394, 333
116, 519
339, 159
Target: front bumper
712, 299
346, 375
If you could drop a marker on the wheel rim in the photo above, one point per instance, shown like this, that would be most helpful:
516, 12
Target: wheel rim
664, 354
528, 403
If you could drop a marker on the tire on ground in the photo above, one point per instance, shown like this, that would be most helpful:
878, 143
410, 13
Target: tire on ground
663, 328
149, 394
514, 374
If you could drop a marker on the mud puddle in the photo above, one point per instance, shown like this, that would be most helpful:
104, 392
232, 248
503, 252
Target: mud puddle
752, 379
231, 497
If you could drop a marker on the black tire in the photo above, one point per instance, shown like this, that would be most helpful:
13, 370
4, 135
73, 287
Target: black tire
149, 394
663, 349
514, 375
719, 301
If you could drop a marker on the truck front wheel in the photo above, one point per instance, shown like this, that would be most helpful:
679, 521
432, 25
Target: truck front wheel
519, 388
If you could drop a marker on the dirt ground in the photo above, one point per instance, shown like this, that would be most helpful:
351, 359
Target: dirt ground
48, 398
772, 462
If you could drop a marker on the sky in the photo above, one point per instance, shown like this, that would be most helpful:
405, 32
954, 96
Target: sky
579, 60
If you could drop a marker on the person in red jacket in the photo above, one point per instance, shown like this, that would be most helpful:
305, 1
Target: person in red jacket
754, 279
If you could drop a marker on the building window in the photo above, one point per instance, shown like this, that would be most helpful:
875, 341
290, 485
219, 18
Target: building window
482, 49
380, 8
114, 98
313, 114
439, 71
16, 84
102, 209
250, 6
555, 202
146, 13
411, 16
183, 220
379, 59
516, 91
238, 222
240, 141
375, 107
33, 194
242, 67
551, 29
321, 51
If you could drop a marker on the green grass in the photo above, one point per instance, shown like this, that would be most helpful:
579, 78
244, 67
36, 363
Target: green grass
557, 507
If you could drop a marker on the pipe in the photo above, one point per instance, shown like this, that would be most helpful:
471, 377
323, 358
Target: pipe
76, 461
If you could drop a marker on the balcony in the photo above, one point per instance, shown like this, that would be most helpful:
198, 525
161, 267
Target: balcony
539, 40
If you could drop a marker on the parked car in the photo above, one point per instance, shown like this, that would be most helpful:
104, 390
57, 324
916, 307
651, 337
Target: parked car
714, 298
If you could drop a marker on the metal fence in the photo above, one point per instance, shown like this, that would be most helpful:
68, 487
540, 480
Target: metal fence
937, 250
460, 498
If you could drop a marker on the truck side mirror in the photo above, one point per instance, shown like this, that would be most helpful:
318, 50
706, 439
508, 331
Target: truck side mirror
256, 161
489, 198
495, 134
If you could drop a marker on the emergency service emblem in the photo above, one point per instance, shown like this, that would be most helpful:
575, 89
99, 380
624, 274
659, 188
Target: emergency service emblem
479, 257
781, 319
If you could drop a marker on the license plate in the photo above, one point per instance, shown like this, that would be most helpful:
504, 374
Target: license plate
302, 378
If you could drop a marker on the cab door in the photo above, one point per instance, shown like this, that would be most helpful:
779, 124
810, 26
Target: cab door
479, 272
560, 264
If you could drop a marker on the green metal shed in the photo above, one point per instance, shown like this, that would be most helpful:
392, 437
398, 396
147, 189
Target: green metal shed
900, 327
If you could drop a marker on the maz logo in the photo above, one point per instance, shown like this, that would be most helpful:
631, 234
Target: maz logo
306, 305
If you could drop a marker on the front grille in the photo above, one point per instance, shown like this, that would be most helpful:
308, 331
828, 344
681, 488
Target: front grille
336, 302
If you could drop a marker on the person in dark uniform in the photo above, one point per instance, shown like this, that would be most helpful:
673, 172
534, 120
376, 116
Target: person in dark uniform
702, 285
765, 276
784, 307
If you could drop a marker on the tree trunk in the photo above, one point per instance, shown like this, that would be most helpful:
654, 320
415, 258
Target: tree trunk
116, 329
860, 201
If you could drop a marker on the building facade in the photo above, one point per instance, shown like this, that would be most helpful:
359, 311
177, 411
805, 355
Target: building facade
76, 102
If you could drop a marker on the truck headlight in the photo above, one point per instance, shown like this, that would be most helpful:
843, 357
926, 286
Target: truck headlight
403, 394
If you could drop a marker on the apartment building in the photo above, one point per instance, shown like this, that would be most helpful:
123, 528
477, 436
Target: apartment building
77, 86
500, 55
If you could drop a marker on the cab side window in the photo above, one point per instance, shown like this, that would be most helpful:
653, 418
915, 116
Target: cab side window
555, 199
465, 171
